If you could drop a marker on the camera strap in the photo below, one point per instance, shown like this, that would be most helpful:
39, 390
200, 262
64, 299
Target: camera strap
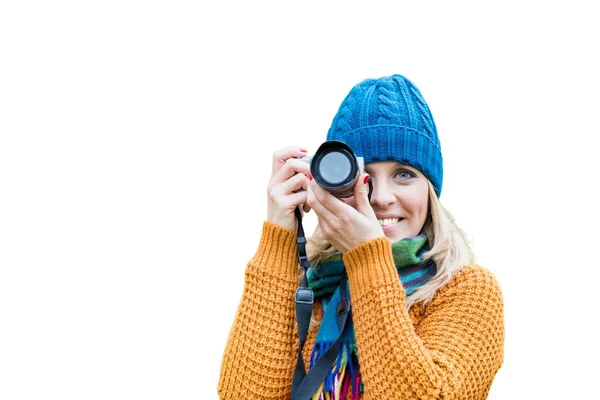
304, 385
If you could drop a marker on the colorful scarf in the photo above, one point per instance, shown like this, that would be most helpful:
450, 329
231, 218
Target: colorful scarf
324, 280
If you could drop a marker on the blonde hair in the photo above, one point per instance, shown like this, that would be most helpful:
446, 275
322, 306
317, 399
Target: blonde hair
449, 249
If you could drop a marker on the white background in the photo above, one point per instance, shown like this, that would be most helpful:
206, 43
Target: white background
135, 151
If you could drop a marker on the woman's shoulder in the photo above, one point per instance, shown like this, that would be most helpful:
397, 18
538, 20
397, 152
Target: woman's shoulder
473, 279
475, 272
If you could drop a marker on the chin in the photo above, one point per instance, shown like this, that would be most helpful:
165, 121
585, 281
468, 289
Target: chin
394, 232
394, 236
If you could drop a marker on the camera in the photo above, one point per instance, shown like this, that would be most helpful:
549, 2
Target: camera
336, 168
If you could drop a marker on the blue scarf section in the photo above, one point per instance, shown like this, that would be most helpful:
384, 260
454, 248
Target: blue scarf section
345, 376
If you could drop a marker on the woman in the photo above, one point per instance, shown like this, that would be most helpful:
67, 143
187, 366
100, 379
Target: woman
425, 322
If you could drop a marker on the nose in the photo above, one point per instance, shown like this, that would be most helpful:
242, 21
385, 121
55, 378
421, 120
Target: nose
381, 196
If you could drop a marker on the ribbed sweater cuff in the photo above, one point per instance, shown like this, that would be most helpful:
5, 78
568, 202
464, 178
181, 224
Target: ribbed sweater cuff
370, 265
277, 253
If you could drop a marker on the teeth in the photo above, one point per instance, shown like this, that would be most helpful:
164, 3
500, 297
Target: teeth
388, 221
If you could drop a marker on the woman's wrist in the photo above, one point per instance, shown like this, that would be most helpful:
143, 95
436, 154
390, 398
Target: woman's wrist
277, 252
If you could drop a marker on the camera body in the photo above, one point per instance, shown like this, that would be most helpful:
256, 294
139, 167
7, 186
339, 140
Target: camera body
336, 168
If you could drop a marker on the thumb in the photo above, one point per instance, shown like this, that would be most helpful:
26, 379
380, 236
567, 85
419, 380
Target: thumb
361, 195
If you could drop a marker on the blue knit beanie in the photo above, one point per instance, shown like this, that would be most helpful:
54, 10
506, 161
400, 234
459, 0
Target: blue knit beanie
387, 119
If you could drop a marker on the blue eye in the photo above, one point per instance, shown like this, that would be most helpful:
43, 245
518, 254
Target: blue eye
404, 174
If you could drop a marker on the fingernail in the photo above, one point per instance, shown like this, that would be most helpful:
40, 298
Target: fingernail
303, 149
366, 179
309, 176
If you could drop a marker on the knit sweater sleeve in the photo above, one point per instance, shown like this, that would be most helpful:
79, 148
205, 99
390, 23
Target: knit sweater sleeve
453, 352
259, 358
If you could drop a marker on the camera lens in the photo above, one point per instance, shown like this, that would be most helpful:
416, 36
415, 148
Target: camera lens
335, 168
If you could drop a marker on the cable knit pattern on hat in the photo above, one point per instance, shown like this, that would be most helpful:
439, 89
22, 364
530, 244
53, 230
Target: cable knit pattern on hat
449, 349
387, 119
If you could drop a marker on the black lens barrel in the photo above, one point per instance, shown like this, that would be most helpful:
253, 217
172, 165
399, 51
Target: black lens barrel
335, 168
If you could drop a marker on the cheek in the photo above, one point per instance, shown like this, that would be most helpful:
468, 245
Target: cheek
417, 206
416, 202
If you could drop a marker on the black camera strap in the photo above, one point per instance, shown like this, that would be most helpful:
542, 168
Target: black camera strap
305, 384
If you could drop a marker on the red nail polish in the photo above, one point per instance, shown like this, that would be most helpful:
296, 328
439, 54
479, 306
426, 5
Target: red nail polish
303, 149
366, 179
309, 176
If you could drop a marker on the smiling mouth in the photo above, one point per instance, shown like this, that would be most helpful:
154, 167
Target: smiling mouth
389, 221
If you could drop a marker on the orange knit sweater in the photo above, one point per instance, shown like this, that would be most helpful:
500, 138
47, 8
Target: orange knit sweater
449, 349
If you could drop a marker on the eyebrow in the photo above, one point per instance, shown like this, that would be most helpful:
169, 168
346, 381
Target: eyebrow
397, 166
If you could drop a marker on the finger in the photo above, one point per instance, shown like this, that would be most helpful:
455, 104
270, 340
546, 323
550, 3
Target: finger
329, 201
306, 208
296, 199
361, 196
282, 155
314, 199
290, 168
287, 201
297, 182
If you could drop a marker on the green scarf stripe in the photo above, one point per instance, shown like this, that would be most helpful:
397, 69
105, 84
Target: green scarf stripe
406, 252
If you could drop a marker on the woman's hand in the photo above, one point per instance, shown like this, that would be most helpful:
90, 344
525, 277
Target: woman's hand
343, 225
287, 187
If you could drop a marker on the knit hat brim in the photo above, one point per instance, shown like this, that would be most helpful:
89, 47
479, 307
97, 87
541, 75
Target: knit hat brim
378, 143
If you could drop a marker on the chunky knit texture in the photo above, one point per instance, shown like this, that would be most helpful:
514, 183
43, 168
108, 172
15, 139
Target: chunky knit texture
449, 349
387, 119
324, 279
